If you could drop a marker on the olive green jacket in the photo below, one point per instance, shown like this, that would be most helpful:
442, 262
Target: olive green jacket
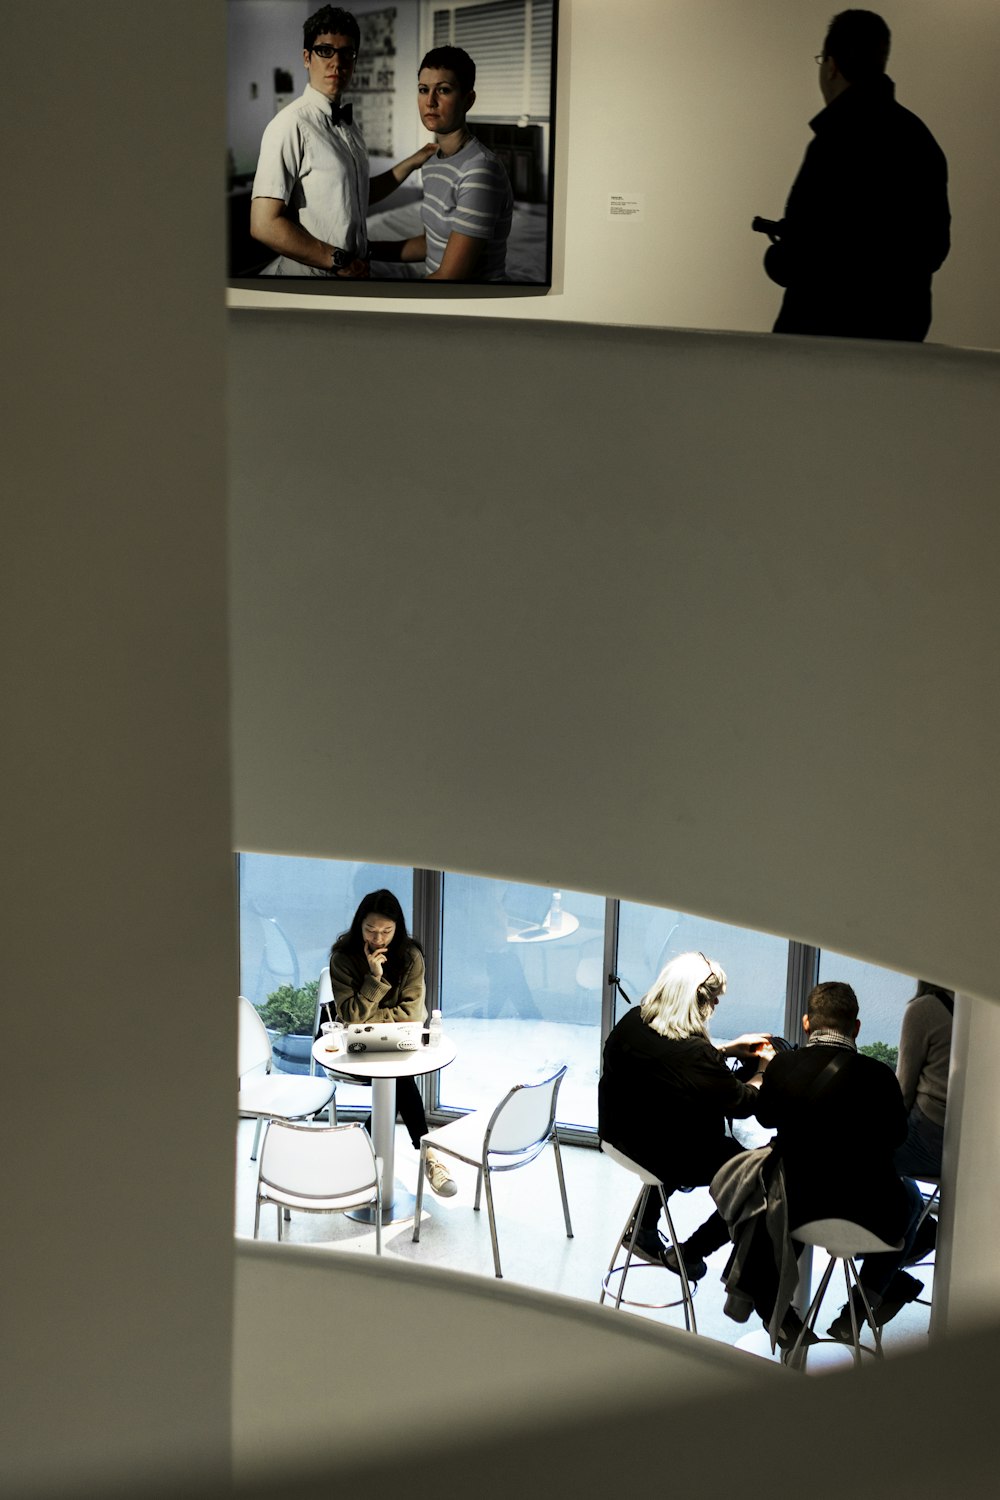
359, 996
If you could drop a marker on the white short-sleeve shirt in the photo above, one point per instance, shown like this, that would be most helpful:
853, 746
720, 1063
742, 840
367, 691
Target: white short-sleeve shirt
320, 171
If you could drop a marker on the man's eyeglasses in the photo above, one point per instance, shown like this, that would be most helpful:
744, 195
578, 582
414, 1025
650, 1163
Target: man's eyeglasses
820, 57
342, 54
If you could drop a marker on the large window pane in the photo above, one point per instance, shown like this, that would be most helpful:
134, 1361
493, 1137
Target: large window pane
290, 912
521, 992
756, 964
882, 994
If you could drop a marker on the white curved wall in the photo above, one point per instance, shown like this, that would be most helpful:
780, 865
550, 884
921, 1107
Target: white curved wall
701, 620
118, 966
493, 1353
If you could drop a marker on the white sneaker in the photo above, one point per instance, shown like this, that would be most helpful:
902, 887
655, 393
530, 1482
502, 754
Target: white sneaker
439, 1177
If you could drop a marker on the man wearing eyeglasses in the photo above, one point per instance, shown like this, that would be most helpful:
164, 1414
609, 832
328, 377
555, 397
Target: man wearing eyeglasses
867, 220
312, 190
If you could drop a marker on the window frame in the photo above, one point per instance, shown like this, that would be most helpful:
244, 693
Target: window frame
428, 927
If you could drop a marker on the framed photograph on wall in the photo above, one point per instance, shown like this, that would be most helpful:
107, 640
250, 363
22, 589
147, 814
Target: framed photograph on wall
407, 144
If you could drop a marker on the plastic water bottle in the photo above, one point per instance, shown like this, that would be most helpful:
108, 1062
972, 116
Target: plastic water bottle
434, 1029
555, 912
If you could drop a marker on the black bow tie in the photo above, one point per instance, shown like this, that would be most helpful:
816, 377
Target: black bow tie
342, 114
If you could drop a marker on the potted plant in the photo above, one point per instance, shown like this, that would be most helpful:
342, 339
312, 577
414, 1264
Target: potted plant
289, 1013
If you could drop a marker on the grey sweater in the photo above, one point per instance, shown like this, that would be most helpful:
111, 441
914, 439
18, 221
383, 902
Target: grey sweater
924, 1053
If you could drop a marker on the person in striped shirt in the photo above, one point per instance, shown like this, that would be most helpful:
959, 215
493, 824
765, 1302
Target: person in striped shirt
467, 204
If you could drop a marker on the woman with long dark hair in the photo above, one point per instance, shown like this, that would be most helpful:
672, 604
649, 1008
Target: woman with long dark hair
377, 974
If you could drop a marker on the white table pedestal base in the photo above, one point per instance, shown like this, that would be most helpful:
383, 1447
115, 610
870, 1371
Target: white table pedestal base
381, 1069
397, 1204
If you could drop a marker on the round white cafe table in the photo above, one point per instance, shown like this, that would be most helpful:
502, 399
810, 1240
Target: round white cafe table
383, 1068
563, 925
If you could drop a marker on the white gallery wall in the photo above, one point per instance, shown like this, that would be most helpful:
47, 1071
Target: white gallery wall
683, 618
871, 467
118, 966
702, 108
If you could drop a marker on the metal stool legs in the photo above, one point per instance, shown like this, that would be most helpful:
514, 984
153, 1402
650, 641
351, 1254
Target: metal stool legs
809, 1321
626, 1242
932, 1200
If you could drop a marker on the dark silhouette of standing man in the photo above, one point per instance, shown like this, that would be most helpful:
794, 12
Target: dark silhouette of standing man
867, 221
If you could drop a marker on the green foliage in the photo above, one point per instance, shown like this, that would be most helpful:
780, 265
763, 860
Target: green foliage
289, 1010
882, 1052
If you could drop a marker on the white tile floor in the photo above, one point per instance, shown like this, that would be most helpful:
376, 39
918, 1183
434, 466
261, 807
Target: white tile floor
534, 1249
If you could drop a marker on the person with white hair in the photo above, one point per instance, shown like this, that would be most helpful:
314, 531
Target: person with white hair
665, 1095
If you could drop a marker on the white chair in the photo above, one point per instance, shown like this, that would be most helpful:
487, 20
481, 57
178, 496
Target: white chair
843, 1241
265, 1095
626, 1241
521, 1126
318, 1169
326, 1010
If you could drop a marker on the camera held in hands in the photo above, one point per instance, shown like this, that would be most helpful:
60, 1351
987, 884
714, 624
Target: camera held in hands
771, 227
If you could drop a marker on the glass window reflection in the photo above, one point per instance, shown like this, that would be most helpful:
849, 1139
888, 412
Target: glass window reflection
756, 964
521, 991
882, 994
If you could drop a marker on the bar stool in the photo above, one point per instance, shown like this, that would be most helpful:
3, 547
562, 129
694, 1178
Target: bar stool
931, 1199
649, 1182
843, 1241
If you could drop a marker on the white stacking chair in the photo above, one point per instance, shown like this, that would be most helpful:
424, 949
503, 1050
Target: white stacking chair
843, 1241
318, 1169
265, 1095
326, 1010
626, 1240
521, 1126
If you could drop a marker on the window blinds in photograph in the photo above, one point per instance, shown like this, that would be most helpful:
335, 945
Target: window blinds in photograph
511, 42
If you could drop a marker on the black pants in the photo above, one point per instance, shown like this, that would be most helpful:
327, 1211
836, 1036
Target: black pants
878, 1271
713, 1233
411, 1107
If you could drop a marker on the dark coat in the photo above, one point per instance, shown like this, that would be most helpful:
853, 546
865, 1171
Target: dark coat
837, 1138
664, 1103
866, 223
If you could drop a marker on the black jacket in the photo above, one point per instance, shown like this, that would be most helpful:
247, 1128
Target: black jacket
866, 223
837, 1137
665, 1102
